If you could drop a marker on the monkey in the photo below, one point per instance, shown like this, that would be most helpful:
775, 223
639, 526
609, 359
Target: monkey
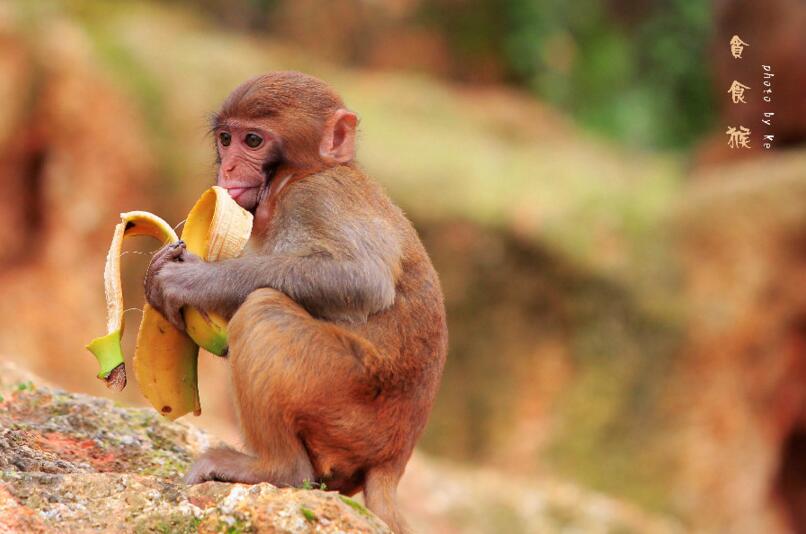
337, 327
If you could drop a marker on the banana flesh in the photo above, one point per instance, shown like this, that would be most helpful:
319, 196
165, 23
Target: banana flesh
216, 228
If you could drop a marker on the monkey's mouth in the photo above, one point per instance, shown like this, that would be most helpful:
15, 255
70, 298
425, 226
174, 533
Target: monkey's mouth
236, 192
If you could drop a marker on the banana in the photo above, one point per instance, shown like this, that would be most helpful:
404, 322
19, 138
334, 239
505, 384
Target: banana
165, 359
216, 228
165, 365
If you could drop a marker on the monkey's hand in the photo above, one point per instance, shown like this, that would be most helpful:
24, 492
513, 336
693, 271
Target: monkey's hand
167, 285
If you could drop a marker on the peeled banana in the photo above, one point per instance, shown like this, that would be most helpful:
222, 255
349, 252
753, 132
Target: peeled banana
216, 228
165, 360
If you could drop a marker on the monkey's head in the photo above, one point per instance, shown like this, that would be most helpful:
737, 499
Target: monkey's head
280, 120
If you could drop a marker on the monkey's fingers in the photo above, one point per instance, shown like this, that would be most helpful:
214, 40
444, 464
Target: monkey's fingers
261, 216
173, 312
154, 298
188, 257
168, 253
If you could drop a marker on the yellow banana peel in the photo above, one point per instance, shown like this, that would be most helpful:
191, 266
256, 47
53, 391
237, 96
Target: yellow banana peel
165, 360
165, 366
107, 348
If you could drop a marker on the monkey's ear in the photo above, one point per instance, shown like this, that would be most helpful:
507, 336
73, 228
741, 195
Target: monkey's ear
338, 140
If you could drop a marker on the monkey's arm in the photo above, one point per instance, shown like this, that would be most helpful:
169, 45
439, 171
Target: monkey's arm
343, 279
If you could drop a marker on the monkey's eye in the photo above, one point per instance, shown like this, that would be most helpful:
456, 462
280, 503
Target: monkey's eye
253, 140
225, 138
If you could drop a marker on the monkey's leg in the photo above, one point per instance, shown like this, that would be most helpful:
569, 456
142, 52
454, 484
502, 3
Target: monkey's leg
380, 495
263, 388
306, 393
303, 393
228, 465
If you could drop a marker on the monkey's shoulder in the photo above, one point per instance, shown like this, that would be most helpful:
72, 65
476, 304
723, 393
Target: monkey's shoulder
346, 186
338, 211
339, 196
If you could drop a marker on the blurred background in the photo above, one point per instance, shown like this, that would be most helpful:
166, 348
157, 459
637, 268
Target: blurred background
626, 295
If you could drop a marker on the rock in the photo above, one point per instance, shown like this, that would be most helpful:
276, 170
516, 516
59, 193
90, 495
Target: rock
79, 463
76, 463
739, 393
439, 497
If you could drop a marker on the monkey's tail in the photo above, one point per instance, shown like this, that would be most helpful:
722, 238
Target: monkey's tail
380, 495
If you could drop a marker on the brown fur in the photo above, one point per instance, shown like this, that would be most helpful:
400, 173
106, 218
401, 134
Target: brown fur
338, 334
296, 104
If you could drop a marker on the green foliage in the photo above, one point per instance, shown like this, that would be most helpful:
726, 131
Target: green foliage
639, 77
634, 71
25, 386
308, 514
355, 505
309, 485
240, 526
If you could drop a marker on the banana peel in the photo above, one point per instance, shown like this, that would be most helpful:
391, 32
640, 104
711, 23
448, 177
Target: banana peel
107, 349
165, 366
165, 360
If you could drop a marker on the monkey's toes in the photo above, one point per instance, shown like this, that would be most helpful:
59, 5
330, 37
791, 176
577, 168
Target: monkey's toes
199, 472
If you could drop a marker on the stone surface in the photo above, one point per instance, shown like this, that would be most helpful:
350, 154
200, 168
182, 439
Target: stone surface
738, 400
75, 463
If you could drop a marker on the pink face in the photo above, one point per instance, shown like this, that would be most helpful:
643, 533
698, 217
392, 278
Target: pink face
245, 150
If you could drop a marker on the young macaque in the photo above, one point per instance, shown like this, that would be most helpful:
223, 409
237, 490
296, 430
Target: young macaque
337, 332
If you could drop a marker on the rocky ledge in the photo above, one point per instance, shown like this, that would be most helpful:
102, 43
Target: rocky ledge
75, 463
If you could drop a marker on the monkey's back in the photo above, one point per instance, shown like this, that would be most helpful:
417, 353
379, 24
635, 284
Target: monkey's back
410, 333
413, 331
